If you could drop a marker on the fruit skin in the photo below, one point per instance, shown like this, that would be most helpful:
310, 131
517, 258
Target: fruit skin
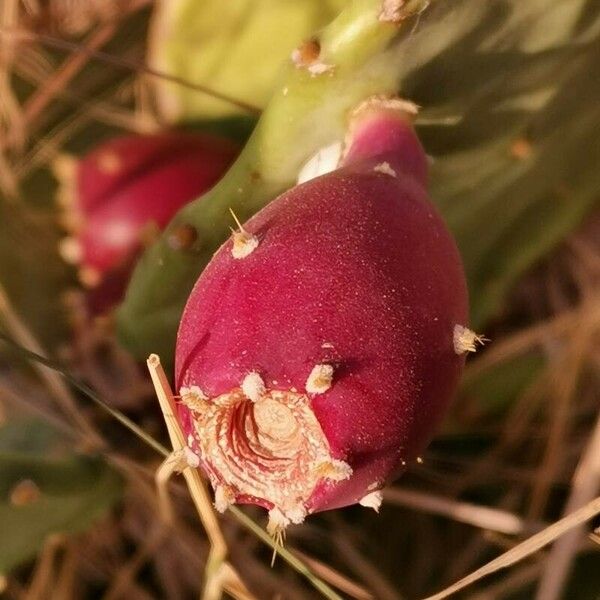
353, 269
126, 187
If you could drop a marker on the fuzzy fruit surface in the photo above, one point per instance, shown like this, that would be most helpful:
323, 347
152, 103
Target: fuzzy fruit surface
353, 269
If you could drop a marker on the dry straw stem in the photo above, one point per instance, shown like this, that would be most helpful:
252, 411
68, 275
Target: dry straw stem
469, 555
8, 183
335, 578
20, 393
10, 111
128, 64
513, 431
58, 81
45, 572
524, 340
46, 148
526, 548
64, 586
219, 574
9, 105
128, 572
292, 560
564, 377
361, 566
586, 483
510, 584
484, 517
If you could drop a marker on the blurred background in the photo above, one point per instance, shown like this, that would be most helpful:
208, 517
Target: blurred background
103, 102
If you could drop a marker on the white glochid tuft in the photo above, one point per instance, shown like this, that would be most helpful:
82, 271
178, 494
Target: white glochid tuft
466, 340
385, 168
253, 386
372, 500
320, 379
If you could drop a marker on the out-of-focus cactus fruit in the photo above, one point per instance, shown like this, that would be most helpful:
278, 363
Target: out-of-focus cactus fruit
118, 196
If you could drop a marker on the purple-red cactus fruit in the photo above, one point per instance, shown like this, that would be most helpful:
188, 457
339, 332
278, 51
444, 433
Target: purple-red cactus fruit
321, 346
128, 185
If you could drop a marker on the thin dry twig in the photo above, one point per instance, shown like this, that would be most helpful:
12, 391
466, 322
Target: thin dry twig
127, 573
525, 339
10, 110
129, 65
362, 567
510, 584
484, 517
199, 493
56, 385
335, 578
8, 182
470, 553
564, 378
49, 146
45, 571
21, 394
586, 483
513, 431
526, 548
64, 586
39, 100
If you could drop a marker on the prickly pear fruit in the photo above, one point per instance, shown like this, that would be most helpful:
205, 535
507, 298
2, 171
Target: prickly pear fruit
322, 344
117, 194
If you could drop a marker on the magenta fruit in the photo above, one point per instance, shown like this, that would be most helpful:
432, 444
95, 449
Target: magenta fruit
119, 192
319, 349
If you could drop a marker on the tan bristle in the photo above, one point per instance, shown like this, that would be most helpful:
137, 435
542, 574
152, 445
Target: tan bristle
89, 277
320, 379
70, 250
